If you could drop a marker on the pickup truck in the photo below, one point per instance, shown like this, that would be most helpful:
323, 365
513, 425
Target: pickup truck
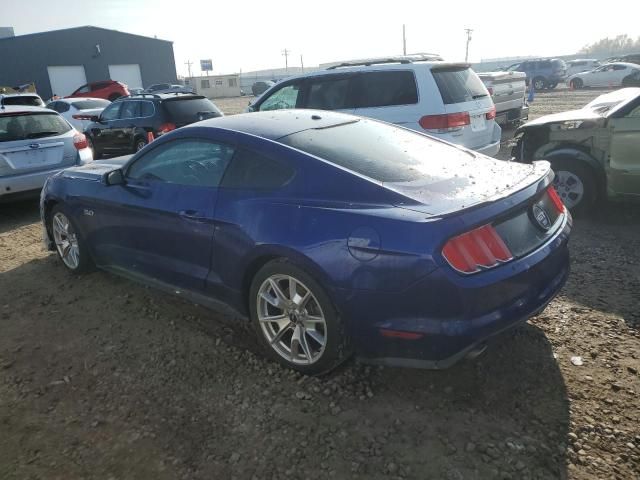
507, 90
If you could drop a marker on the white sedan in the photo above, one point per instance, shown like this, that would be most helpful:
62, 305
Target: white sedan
608, 75
78, 111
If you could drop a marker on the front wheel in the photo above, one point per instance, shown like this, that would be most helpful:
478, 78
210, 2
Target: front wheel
294, 319
576, 83
575, 185
539, 83
69, 243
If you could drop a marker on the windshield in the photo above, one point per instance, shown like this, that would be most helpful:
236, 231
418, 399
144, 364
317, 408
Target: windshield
28, 100
25, 126
458, 84
376, 150
88, 104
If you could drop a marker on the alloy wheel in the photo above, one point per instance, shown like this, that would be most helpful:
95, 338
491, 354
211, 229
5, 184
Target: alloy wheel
291, 319
66, 240
569, 187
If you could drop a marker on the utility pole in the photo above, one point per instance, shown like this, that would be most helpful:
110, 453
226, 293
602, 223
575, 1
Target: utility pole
286, 54
404, 40
188, 63
466, 54
301, 63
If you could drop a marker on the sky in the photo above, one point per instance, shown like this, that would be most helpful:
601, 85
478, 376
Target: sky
251, 35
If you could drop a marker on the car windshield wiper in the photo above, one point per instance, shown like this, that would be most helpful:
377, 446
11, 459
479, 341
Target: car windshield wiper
41, 134
480, 95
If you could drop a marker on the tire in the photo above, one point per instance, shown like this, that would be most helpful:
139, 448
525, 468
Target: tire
576, 84
70, 246
539, 83
309, 335
97, 154
139, 144
567, 173
114, 96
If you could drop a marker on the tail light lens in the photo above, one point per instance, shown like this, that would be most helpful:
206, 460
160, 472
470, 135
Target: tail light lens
80, 141
491, 114
166, 128
449, 121
81, 117
478, 249
555, 199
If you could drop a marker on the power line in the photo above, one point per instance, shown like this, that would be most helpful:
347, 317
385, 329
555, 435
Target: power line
466, 54
188, 63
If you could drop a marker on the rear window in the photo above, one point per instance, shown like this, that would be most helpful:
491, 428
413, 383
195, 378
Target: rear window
87, 104
31, 125
376, 150
30, 101
187, 109
383, 89
458, 84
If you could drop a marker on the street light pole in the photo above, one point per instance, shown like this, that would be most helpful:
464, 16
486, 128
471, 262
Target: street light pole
404, 40
466, 54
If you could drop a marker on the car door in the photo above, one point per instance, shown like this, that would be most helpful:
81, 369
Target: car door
618, 73
101, 131
123, 128
599, 77
624, 155
388, 95
159, 224
330, 92
288, 95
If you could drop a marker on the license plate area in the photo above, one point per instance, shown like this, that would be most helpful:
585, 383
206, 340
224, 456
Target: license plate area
478, 123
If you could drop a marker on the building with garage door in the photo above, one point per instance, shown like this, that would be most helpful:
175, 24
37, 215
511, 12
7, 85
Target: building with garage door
60, 61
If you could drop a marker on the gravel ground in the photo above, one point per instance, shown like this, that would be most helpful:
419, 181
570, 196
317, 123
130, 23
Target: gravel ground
101, 378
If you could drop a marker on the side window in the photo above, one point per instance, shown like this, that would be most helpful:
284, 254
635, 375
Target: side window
129, 109
83, 89
635, 113
329, 92
53, 106
146, 109
63, 107
382, 89
253, 170
285, 97
619, 67
184, 162
111, 112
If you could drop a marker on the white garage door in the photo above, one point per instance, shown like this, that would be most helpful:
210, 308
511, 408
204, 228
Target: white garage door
127, 74
66, 80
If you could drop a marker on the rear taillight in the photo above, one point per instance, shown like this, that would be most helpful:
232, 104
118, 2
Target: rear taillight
449, 121
478, 249
491, 114
81, 117
166, 128
555, 199
80, 141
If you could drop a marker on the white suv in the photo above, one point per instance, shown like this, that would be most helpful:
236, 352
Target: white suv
443, 99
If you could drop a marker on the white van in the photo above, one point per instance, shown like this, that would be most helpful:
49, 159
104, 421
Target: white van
443, 99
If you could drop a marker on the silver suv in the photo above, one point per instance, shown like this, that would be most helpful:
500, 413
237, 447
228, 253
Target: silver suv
35, 142
421, 92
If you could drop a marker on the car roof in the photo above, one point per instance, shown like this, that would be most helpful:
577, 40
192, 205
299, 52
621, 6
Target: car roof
277, 123
159, 96
77, 99
23, 108
22, 94
626, 64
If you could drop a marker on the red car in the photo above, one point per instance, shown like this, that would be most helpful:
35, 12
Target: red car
107, 89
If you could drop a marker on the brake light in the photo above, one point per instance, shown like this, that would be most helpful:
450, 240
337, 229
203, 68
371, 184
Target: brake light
477, 249
491, 114
555, 199
80, 141
81, 117
166, 128
448, 121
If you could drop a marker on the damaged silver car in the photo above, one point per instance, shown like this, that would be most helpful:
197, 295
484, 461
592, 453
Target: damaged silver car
594, 151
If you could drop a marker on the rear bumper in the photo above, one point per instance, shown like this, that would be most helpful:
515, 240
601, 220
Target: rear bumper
452, 315
25, 184
513, 115
492, 148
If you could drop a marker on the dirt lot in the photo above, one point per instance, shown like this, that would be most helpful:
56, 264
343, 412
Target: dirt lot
101, 378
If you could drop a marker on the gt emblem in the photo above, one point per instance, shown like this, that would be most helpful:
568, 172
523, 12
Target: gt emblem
541, 217
88, 212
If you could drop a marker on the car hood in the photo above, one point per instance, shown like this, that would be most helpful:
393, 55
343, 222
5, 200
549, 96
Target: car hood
96, 169
571, 115
474, 181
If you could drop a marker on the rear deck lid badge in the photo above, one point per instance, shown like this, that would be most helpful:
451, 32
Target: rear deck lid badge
541, 217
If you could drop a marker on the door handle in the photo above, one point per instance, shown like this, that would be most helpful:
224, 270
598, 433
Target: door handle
192, 215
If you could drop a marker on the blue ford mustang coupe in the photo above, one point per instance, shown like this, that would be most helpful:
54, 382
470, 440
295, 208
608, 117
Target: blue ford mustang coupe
332, 234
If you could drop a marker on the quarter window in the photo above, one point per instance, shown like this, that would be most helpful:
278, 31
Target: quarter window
253, 170
146, 109
383, 89
192, 162
286, 97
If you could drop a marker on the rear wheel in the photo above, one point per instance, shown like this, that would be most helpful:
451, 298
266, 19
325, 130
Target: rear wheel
575, 184
139, 144
576, 83
70, 245
539, 83
294, 319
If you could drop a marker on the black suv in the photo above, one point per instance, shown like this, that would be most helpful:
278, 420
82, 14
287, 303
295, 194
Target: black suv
123, 127
545, 73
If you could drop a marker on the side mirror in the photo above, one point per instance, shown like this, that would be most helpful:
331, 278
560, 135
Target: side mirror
114, 177
95, 118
